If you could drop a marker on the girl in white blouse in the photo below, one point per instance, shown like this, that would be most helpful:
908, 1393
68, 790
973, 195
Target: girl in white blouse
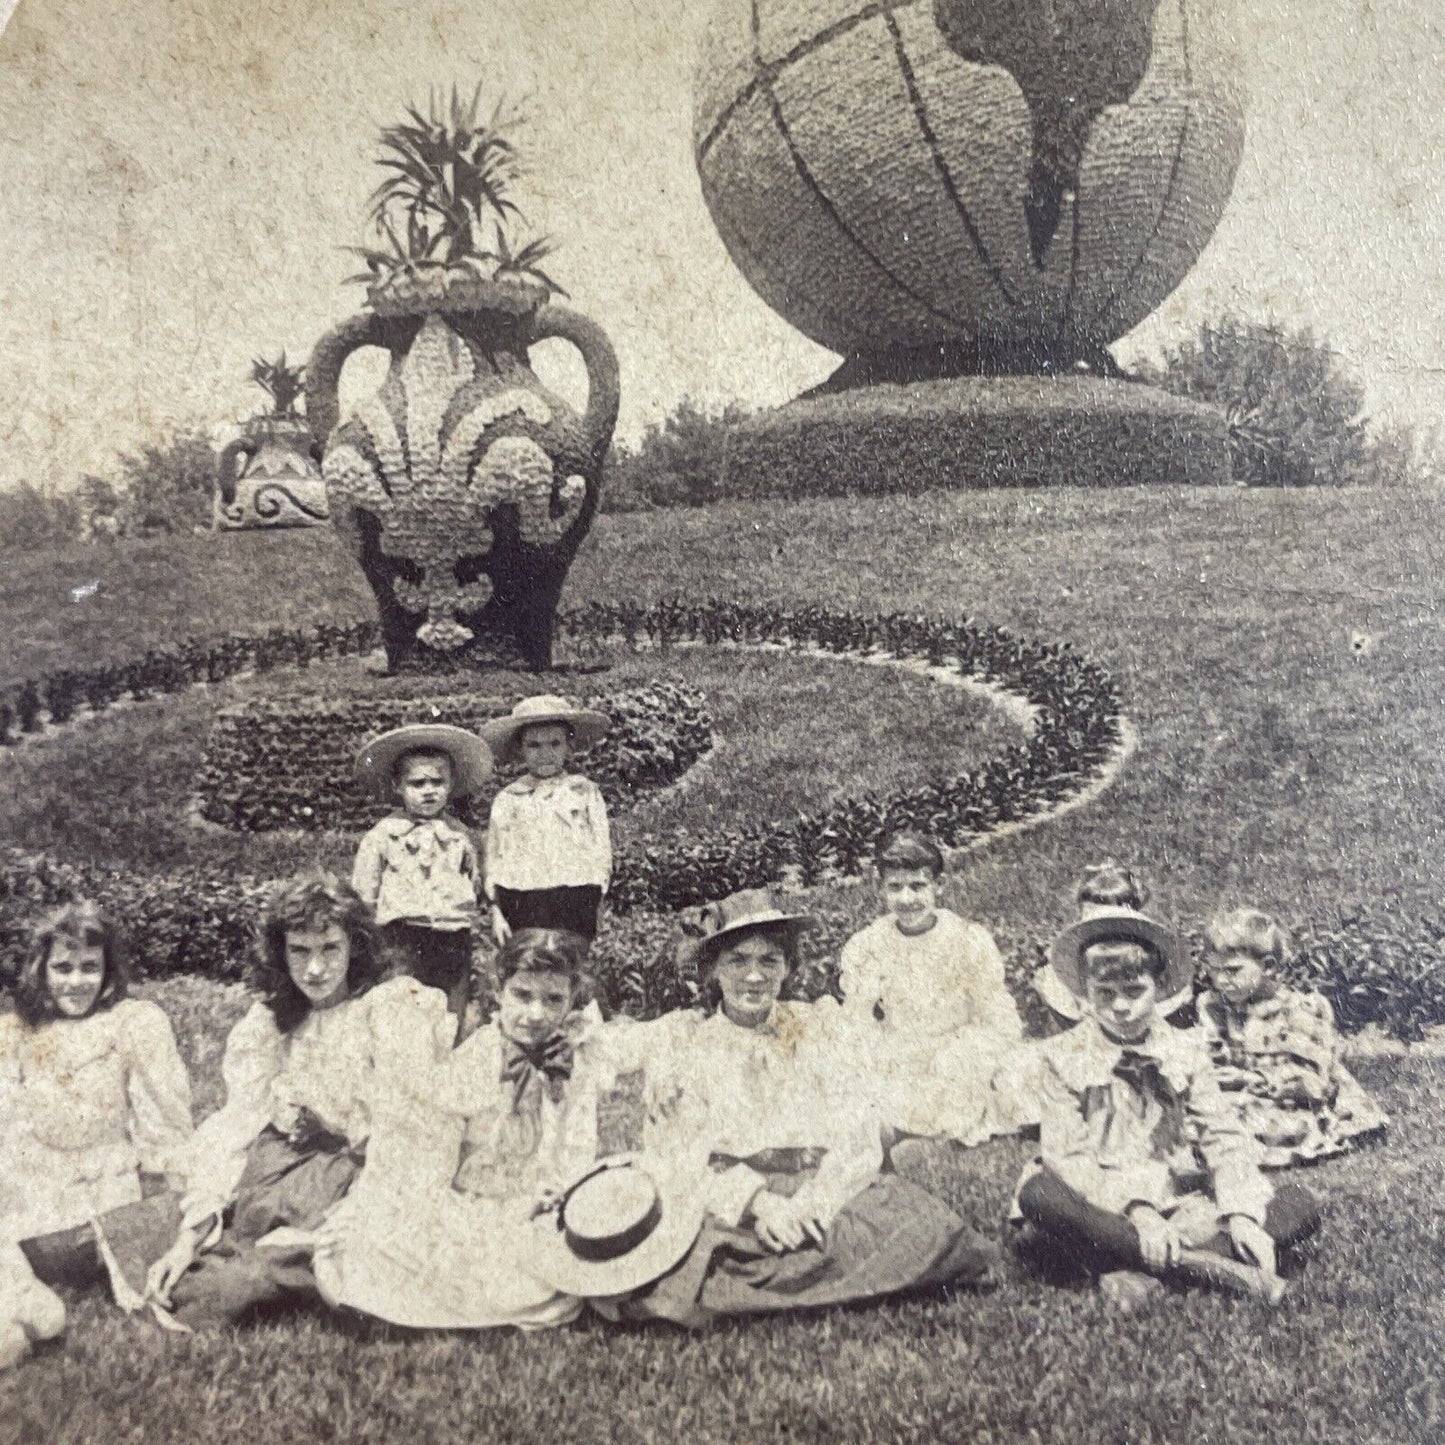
94, 1094
433, 1234
753, 1098
310, 1071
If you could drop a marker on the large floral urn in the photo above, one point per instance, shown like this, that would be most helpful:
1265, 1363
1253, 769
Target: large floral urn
464, 486
269, 477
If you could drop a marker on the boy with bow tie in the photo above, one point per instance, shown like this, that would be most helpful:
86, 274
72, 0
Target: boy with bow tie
1144, 1169
418, 868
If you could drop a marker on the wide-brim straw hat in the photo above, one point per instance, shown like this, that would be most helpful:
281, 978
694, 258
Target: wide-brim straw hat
620, 1227
504, 735
1121, 925
471, 757
709, 928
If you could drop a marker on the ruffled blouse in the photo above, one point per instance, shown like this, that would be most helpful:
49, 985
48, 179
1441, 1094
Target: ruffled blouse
720, 1094
352, 1064
88, 1104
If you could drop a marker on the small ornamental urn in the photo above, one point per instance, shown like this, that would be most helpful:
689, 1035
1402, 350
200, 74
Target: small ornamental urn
464, 487
270, 477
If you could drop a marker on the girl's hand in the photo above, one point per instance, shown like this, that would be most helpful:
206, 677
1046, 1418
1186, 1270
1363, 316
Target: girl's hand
776, 1223
1252, 1242
166, 1272
501, 929
548, 1198
1159, 1241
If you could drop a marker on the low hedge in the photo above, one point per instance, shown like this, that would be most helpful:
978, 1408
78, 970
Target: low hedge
26, 706
188, 922
288, 762
1373, 968
975, 432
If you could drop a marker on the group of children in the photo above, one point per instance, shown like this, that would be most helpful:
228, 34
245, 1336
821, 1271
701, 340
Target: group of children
371, 1151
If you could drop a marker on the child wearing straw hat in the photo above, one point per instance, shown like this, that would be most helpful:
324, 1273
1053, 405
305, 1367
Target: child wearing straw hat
1144, 1169
417, 868
549, 848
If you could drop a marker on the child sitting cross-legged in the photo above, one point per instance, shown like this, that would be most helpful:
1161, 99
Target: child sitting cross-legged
1275, 1050
417, 869
925, 1001
1144, 1168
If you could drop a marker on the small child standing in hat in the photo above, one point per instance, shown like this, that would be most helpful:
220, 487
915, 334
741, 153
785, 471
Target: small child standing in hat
549, 848
417, 868
1144, 1169
924, 993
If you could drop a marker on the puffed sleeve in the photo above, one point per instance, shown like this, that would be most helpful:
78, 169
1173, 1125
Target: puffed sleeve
492, 843
410, 1032
855, 1155
991, 1004
858, 977
159, 1090
370, 863
255, 1054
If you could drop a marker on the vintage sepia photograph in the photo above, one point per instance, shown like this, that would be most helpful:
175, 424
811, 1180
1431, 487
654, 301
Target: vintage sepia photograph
722, 722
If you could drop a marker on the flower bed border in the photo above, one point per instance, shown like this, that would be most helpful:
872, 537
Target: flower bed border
195, 920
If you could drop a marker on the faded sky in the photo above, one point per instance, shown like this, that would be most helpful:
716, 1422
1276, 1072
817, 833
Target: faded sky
177, 176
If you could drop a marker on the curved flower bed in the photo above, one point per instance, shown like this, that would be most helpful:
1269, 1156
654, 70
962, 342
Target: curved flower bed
288, 762
1076, 727
197, 921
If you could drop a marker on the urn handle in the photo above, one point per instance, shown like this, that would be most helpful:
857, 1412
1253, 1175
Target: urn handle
323, 371
236, 456
603, 382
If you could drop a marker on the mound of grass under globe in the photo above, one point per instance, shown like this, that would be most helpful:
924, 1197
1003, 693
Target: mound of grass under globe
1010, 431
287, 762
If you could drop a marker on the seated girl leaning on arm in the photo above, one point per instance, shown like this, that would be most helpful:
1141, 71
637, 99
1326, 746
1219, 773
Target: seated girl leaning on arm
417, 869
323, 1057
433, 1235
1275, 1050
924, 993
94, 1096
1143, 1165
549, 847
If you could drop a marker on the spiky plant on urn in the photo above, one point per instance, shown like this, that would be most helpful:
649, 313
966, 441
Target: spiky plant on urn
270, 476
464, 486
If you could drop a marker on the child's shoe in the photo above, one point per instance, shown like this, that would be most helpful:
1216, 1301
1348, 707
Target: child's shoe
1231, 1277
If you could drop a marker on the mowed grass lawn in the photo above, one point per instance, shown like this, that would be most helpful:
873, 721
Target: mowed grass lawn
1355, 1356
1281, 656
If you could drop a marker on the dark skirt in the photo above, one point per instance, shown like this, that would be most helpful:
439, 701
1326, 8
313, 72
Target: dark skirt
572, 908
286, 1182
136, 1236
891, 1238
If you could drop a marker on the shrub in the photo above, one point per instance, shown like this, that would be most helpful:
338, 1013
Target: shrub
34, 517
169, 669
679, 461
167, 486
1295, 413
287, 762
